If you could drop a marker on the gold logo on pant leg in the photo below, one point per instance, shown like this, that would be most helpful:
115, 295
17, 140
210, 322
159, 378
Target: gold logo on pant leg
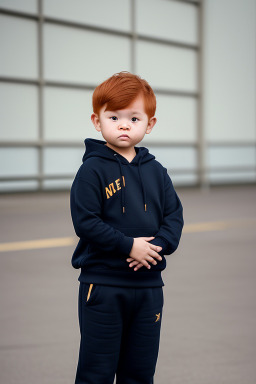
89, 292
157, 317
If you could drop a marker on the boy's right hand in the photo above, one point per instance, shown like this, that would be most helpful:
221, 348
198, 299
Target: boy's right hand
145, 252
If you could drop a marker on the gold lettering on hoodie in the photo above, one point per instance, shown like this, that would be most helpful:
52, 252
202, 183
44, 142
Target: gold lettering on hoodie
110, 190
118, 184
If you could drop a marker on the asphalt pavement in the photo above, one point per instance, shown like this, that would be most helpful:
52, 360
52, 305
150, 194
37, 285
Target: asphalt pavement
208, 327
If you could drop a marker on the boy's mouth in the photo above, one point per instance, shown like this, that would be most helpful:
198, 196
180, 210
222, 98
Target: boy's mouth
124, 136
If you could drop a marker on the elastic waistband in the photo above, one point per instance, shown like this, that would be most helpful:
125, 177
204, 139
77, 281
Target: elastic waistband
121, 278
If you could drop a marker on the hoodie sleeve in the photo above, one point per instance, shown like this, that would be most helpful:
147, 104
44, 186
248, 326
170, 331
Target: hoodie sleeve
169, 233
86, 203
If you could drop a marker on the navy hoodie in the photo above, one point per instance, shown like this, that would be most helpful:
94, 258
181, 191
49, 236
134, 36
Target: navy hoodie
112, 201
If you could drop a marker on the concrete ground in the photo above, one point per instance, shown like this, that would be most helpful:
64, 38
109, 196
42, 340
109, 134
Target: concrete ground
208, 327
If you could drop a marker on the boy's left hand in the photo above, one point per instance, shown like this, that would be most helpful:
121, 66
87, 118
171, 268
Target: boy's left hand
133, 263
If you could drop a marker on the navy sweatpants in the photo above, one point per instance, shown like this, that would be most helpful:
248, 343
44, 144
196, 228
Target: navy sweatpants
120, 334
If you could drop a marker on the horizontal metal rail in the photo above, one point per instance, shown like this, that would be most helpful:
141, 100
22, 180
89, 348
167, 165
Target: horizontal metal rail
176, 171
76, 143
94, 28
80, 144
88, 87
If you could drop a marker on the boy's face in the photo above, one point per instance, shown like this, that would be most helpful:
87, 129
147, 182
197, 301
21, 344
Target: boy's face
132, 122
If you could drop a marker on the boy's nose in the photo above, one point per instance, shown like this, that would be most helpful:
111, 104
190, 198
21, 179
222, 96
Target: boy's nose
124, 126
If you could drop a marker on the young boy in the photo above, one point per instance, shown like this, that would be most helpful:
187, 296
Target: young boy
128, 216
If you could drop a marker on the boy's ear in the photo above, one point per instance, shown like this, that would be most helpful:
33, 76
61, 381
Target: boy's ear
152, 121
96, 121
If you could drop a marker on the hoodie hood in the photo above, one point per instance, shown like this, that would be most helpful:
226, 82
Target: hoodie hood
98, 148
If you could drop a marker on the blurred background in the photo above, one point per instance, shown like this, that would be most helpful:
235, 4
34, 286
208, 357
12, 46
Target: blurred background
200, 59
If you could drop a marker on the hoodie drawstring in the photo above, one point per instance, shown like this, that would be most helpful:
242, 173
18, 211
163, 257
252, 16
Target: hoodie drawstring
123, 189
142, 185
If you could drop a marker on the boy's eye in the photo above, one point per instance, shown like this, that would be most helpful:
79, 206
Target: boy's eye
134, 119
113, 118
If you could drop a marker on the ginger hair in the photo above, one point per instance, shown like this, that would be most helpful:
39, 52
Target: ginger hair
120, 90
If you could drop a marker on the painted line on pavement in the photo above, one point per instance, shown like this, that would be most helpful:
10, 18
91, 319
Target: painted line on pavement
37, 244
217, 225
72, 241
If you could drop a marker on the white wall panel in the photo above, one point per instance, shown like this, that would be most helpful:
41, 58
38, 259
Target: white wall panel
114, 14
87, 57
18, 112
167, 67
184, 179
29, 6
74, 55
232, 156
62, 161
18, 162
175, 157
28, 185
67, 114
230, 76
167, 20
176, 120
18, 47
232, 177
57, 184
